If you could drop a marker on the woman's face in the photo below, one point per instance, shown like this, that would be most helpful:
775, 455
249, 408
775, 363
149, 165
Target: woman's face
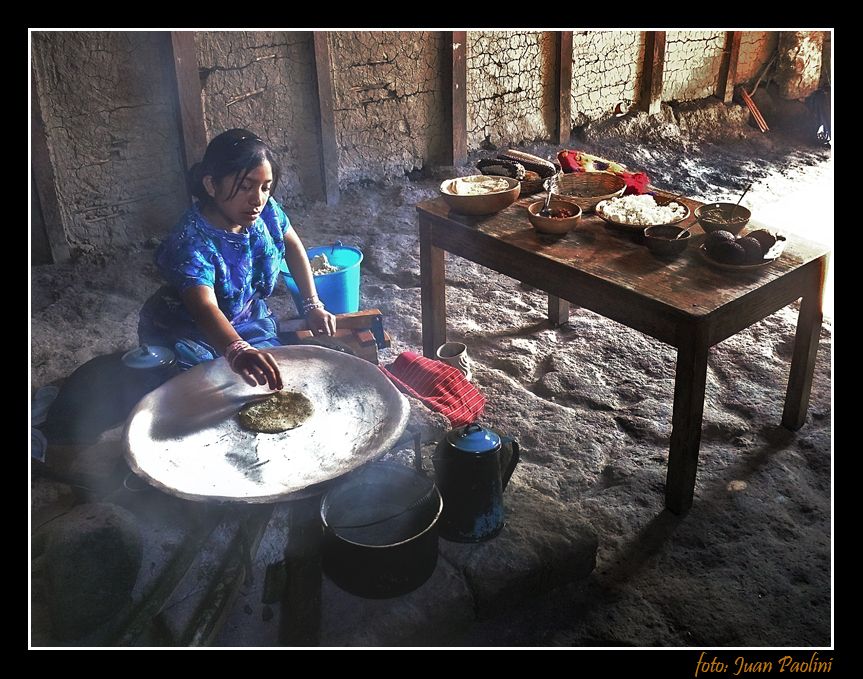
243, 208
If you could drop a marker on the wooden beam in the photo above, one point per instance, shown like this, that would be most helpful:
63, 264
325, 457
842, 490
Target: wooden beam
139, 619
652, 70
236, 566
728, 68
184, 54
40, 251
458, 42
826, 60
43, 179
329, 148
564, 86
300, 618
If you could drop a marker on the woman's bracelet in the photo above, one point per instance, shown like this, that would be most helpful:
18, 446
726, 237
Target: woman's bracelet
234, 349
310, 303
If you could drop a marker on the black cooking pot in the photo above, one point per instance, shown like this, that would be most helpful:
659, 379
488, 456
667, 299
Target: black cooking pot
100, 394
380, 531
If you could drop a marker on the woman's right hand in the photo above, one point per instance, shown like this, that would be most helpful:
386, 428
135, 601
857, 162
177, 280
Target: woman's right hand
254, 366
258, 368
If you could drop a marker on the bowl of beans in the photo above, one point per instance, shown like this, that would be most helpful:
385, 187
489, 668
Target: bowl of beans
722, 217
562, 218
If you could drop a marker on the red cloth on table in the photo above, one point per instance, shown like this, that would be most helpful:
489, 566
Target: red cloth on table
579, 161
440, 386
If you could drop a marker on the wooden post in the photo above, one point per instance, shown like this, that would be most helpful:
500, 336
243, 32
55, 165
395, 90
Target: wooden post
184, 54
826, 60
433, 290
300, 621
805, 348
689, 385
564, 86
458, 42
652, 70
329, 148
43, 179
728, 69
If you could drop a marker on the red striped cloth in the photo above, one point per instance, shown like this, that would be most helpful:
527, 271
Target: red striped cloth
440, 386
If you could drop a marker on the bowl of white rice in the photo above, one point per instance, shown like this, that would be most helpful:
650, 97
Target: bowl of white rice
637, 212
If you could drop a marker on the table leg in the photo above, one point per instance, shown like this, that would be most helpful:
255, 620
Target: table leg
433, 282
689, 384
300, 621
805, 348
558, 310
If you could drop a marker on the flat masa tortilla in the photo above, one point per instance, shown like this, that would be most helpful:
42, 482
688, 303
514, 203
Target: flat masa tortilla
282, 411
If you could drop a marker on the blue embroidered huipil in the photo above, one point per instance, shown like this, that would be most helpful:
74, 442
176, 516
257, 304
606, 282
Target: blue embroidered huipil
241, 268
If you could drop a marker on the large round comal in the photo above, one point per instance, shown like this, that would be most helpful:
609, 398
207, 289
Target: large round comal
186, 438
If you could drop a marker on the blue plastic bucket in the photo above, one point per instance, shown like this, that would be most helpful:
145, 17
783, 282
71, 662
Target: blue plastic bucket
339, 290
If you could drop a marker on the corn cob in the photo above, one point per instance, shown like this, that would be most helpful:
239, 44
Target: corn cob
544, 168
501, 168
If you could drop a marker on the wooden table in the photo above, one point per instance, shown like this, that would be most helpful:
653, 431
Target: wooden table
685, 303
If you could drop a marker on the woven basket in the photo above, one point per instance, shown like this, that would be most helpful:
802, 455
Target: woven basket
586, 189
528, 187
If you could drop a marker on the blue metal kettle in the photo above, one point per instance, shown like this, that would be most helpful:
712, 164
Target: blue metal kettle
472, 468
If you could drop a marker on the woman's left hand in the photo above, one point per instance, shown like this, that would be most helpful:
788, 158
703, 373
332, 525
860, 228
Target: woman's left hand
321, 322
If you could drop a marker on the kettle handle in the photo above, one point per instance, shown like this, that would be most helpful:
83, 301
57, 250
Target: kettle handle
513, 460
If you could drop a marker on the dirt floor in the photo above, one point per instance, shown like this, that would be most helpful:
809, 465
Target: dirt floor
590, 402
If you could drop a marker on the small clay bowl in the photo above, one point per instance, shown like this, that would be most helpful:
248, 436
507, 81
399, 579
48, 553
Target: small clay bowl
554, 225
663, 242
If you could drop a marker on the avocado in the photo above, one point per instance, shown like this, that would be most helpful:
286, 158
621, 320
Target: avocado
752, 247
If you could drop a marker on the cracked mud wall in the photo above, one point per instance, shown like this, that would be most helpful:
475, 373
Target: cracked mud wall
692, 64
510, 96
265, 82
390, 102
110, 115
606, 69
110, 120
756, 48
798, 64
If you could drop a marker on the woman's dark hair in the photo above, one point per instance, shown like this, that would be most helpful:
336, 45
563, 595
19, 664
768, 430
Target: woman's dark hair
234, 153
